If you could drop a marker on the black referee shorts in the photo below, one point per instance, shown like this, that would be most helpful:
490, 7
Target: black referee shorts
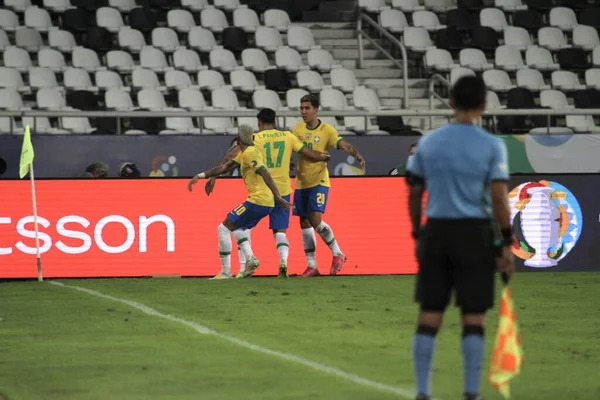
459, 255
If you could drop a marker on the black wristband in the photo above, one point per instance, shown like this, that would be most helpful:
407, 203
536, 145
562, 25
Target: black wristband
507, 236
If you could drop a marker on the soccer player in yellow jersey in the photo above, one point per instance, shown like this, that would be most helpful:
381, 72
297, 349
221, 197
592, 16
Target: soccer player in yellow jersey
262, 196
277, 148
312, 184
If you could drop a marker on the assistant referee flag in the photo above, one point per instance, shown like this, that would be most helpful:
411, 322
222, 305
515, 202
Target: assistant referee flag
27, 154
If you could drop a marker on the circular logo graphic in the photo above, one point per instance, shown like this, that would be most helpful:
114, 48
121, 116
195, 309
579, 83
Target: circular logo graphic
547, 222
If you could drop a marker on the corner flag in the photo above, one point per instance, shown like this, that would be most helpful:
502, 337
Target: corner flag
26, 154
508, 353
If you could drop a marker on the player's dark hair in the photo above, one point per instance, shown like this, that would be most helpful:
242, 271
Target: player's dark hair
266, 116
313, 99
469, 93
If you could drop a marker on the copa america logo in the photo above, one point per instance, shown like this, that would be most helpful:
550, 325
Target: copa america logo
547, 222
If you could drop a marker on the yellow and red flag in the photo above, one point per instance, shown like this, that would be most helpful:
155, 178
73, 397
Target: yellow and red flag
508, 353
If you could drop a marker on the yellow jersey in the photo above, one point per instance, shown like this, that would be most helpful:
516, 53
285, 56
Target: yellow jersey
321, 138
251, 161
277, 148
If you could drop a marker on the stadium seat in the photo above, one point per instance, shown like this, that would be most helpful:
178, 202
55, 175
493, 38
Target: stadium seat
264, 98
333, 99
40, 77
76, 20
458, 73
142, 19
131, 39
509, 58
461, 19
78, 79
151, 99
475, 5
234, 39
450, 39
300, 38
393, 20
82, 100
439, 60
510, 5
554, 99
17, 58
223, 60
225, 98
4, 41
187, 60
582, 124
573, 59
474, 59
228, 5
191, 99
77, 124
98, 39
530, 20
520, 98
154, 59
427, 20
310, 80
246, 19
289, 59
517, 37
213, 19
179, 125
89, 5
417, 39
268, 39
372, 6
244, 81
51, 99
201, 39
255, 60
485, 38
179, 80
195, 5
293, 96
439, 6
278, 19
585, 37
566, 81
493, 102
42, 125
39, 19
109, 18
552, 38
539, 5
10, 99
586, 98
119, 60
123, 6
106, 80
563, 18
210, 79
343, 79
118, 99
366, 99
407, 5
8, 20
17, 5
321, 60
497, 80
142, 78
592, 78
165, 39
531, 79
180, 20
10, 78
540, 58
29, 39
590, 16
277, 80
493, 18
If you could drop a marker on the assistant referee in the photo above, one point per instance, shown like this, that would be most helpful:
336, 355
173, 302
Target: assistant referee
464, 169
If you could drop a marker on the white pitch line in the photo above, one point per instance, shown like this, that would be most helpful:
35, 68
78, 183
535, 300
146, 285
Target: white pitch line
405, 393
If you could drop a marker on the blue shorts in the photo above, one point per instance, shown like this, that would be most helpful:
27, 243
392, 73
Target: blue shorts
279, 218
311, 199
247, 215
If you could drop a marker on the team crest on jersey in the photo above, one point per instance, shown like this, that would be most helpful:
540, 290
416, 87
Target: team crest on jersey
253, 163
308, 136
317, 139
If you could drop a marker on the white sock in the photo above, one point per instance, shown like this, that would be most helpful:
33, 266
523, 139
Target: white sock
224, 248
310, 245
241, 236
241, 255
326, 234
283, 246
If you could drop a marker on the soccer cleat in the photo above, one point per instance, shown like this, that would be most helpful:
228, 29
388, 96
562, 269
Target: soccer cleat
283, 271
220, 276
240, 275
251, 266
337, 263
310, 273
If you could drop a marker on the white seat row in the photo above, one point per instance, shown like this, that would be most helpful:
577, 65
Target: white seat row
125, 5
438, 6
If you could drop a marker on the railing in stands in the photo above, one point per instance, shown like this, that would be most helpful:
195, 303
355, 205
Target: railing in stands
288, 114
433, 95
402, 65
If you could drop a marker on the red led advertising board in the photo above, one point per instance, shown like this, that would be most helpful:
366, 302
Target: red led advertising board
147, 227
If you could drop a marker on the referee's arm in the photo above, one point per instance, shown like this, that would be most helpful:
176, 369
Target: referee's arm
415, 179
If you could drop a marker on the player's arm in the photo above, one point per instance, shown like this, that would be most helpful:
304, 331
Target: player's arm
499, 192
210, 183
415, 178
214, 172
310, 154
350, 149
262, 171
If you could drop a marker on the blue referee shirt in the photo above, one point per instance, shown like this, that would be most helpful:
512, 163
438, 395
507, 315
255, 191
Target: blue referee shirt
458, 162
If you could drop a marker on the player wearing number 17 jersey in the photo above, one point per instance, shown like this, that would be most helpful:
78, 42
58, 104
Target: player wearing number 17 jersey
277, 148
312, 184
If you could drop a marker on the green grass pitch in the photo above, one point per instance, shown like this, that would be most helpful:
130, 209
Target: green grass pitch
58, 343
